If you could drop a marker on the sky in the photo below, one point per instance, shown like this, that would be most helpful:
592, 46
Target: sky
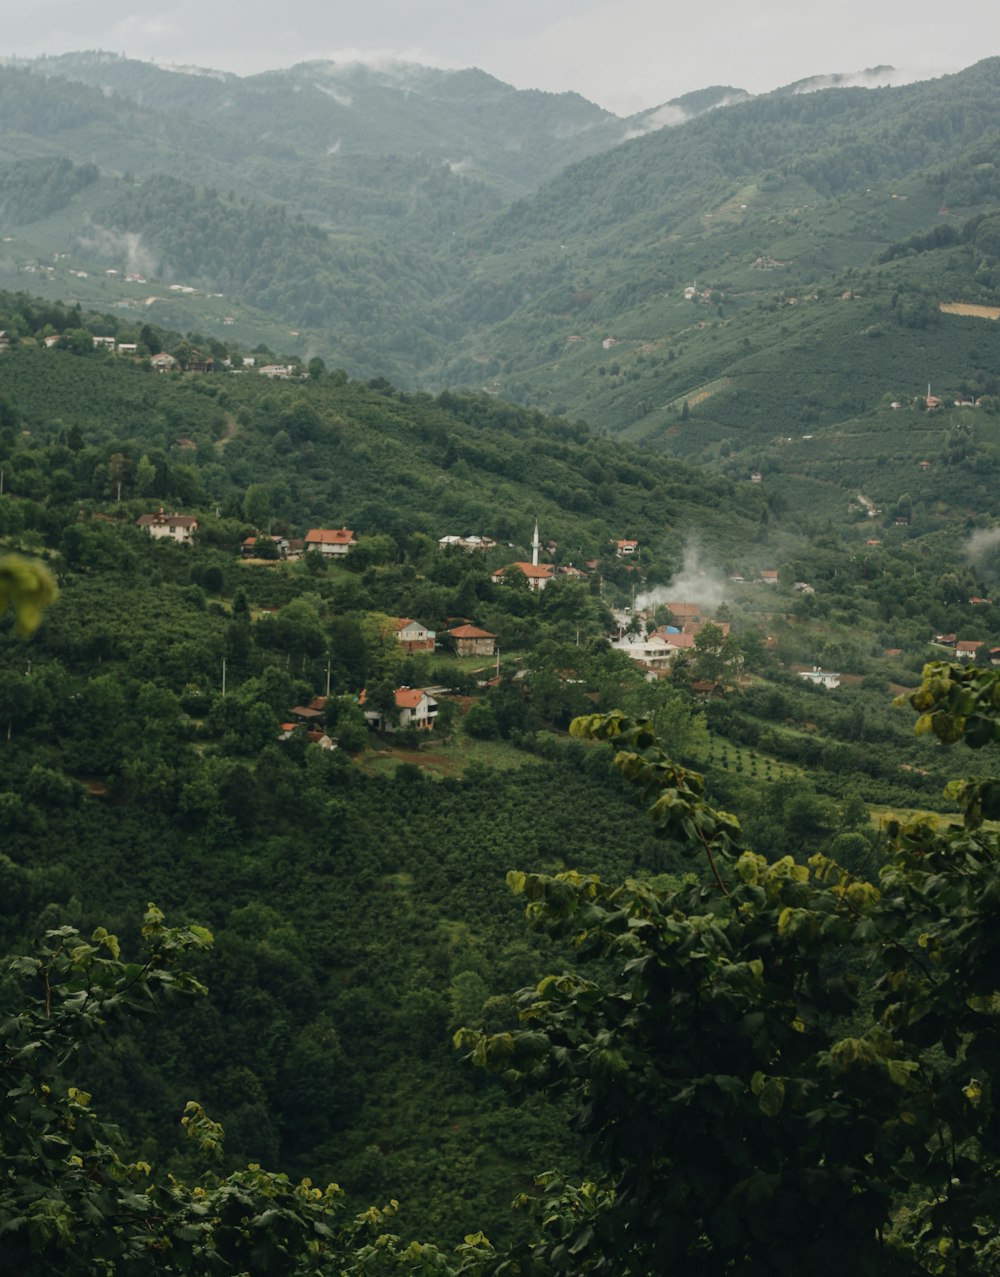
623, 54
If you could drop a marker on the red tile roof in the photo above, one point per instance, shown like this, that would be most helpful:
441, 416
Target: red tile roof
470, 632
329, 536
409, 697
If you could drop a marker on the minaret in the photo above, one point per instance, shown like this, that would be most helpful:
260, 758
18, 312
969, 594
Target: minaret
536, 545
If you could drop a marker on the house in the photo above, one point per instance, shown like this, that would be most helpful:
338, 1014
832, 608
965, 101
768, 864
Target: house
107, 342
803, 587
653, 653
176, 527
538, 574
694, 628
995, 655
684, 613
469, 544
52, 340
251, 550
467, 640
609, 342
623, 549
308, 714
674, 643
4, 339
163, 362
756, 477
946, 640
966, 649
820, 678
413, 636
415, 706
277, 372
128, 348
768, 576
330, 541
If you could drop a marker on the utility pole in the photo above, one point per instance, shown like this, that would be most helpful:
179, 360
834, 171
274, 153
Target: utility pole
328, 679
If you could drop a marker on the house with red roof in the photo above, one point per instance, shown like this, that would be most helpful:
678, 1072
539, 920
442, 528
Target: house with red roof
251, 546
468, 640
330, 541
415, 707
966, 649
538, 574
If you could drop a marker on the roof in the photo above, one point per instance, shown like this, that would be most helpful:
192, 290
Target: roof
470, 632
330, 536
409, 697
167, 520
533, 571
968, 645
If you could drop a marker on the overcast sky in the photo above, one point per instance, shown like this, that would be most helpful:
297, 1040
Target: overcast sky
624, 54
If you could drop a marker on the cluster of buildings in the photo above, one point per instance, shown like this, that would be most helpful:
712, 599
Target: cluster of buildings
968, 649
656, 649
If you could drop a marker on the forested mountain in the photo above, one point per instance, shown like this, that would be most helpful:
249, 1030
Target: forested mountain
704, 253
740, 367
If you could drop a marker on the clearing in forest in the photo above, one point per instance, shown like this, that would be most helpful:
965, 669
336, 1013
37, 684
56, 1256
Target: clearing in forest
965, 308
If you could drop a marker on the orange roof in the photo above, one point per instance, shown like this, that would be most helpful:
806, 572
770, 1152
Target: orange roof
470, 632
536, 571
409, 697
330, 536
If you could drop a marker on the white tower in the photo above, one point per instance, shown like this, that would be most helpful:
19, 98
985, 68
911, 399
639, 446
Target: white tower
536, 545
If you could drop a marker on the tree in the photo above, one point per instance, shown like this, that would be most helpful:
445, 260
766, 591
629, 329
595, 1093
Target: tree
145, 477
70, 1203
257, 506
783, 1068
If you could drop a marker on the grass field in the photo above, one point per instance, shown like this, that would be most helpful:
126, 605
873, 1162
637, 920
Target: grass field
447, 760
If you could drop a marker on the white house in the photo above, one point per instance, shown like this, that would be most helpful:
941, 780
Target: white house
416, 708
538, 574
175, 527
820, 678
331, 541
413, 636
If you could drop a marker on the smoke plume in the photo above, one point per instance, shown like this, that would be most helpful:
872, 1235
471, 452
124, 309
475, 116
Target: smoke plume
694, 583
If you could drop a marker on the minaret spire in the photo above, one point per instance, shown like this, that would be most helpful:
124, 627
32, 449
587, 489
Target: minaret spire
536, 545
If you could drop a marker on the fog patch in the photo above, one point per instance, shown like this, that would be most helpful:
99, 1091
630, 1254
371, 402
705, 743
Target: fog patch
870, 78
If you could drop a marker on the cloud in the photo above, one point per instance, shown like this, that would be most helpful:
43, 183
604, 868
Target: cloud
873, 78
391, 61
663, 117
